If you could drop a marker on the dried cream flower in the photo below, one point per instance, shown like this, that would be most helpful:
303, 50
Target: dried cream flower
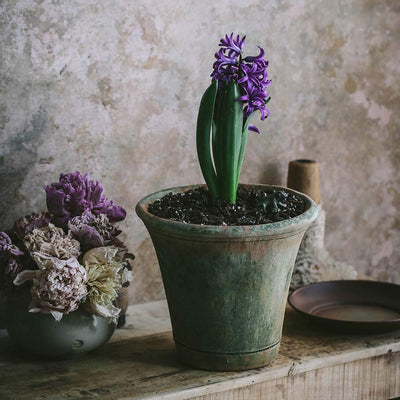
58, 286
105, 268
53, 242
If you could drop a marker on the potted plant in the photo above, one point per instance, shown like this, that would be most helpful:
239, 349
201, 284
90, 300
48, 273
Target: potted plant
61, 270
226, 251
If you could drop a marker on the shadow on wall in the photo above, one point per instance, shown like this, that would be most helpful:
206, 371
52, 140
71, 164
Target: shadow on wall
272, 175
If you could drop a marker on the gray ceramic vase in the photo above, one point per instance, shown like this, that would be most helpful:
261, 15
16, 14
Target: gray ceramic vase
77, 333
226, 286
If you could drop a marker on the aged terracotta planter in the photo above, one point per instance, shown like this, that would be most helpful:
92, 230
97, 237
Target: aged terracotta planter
226, 286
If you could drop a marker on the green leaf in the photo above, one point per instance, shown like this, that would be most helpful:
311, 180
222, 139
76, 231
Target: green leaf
203, 132
228, 139
243, 147
216, 145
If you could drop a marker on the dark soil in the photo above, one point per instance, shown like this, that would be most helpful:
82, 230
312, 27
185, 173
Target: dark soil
253, 207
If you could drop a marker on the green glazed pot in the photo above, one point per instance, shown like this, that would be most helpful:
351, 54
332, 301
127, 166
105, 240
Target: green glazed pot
77, 333
226, 286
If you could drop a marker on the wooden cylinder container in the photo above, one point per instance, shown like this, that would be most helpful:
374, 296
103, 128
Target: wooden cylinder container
303, 176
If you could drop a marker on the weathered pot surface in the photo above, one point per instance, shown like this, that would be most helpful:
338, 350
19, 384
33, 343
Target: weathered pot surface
226, 286
77, 333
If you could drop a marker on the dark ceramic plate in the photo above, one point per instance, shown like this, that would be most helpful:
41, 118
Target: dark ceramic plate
350, 306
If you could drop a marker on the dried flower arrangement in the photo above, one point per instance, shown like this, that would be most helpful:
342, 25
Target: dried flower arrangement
70, 255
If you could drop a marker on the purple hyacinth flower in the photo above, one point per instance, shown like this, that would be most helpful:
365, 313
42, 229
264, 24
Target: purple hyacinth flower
250, 73
233, 46
253, 128
75, 194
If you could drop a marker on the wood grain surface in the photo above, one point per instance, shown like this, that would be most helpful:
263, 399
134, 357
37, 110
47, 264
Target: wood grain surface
139, 362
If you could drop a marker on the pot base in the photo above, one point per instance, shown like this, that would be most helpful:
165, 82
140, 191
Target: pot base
226, 361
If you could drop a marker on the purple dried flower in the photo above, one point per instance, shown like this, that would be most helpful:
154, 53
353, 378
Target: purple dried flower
87, 235
94, 231
75, 194
250, 73
27, 224
7, 249
10, 263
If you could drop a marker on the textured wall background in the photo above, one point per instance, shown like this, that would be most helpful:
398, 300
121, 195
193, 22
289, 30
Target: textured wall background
112, 88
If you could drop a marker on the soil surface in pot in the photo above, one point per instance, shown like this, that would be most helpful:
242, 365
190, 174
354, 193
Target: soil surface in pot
253, 207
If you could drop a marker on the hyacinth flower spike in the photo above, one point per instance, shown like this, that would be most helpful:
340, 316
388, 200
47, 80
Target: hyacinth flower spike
238, 89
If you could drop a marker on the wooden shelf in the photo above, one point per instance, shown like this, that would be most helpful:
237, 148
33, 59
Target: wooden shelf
139, 362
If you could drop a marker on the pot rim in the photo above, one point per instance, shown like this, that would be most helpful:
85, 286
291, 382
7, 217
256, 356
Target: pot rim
284, 228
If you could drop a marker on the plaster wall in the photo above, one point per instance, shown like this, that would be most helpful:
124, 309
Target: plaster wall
112, 88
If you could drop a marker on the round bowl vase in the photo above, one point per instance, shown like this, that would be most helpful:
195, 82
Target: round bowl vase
226, 286
40, 334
